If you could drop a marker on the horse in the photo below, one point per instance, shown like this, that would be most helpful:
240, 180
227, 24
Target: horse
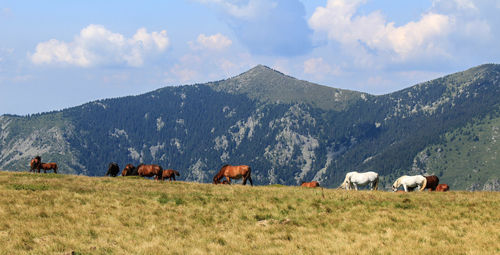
410, 182
34, 163
312, 184
113, 169
169, 173
129, 170
234, 172
47, 166
432, 182
355, 179
150, 171
442, 187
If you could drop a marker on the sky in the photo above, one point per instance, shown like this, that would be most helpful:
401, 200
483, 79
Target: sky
59, 54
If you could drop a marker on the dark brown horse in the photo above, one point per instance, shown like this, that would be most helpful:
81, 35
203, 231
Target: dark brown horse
47, 166
234, 172
150, 171
169, 173
129, 170
113, 169
34, 163
443, 187
312, 184
432, 182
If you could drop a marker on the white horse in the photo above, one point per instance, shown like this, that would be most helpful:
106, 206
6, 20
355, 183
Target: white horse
354, 179
410, 182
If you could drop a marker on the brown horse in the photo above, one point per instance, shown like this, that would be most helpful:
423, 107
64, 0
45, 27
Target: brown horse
443, 187
47, 166
432, 182
312, 184
169, 173
129, 170
234, 172
34, 163
150, 171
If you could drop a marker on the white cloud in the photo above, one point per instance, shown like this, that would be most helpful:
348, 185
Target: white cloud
319, 67
212, 42
340, 22
95, 45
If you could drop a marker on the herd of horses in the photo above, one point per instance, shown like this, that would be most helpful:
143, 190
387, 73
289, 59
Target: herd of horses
352, 180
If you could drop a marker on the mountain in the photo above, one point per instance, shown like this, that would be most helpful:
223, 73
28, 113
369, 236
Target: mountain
286, 129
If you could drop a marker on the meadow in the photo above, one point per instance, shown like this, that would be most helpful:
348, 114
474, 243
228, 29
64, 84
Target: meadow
69, 214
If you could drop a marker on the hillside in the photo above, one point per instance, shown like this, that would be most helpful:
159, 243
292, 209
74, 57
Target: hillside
288, 130
68, 214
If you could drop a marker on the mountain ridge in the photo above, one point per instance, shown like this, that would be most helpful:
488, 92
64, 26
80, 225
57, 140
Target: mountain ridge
302, 133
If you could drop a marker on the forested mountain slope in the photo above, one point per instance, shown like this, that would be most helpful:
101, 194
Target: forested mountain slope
288, 130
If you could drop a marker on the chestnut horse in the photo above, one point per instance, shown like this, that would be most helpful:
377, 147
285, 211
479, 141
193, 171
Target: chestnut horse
169, 173
47, 166
129, 170
442, 187
432, 182
312, 184
150, 171
234, 172
113, 169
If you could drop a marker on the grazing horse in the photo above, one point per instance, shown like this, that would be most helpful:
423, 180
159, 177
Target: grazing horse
150, 171
432, 182
355, 179
442, 187
410, 182
34, 163
234, 172
129, 170
47, 166
312, 184
113, 169
169, 173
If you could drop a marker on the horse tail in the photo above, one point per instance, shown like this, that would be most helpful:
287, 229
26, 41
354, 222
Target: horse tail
424, 184
376, 184
249, 175
343, 185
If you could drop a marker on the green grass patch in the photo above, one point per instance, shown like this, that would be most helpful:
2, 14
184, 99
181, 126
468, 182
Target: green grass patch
31, 187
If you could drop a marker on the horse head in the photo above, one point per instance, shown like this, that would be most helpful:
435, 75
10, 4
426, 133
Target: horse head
397, 183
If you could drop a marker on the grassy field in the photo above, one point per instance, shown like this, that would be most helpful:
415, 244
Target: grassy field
61, 214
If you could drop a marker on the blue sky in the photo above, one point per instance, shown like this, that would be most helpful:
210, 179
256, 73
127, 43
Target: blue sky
58, 54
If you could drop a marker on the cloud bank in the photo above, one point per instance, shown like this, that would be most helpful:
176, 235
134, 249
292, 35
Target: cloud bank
338, 20
267, 27
97, 46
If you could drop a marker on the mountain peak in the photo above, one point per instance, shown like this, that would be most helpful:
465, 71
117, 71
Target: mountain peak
270, 86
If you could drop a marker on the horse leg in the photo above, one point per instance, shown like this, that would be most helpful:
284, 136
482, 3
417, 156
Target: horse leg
228, 179
406, 189
355, 186
250, 179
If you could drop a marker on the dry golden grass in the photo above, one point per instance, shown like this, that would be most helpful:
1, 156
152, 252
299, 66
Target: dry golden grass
61, 214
